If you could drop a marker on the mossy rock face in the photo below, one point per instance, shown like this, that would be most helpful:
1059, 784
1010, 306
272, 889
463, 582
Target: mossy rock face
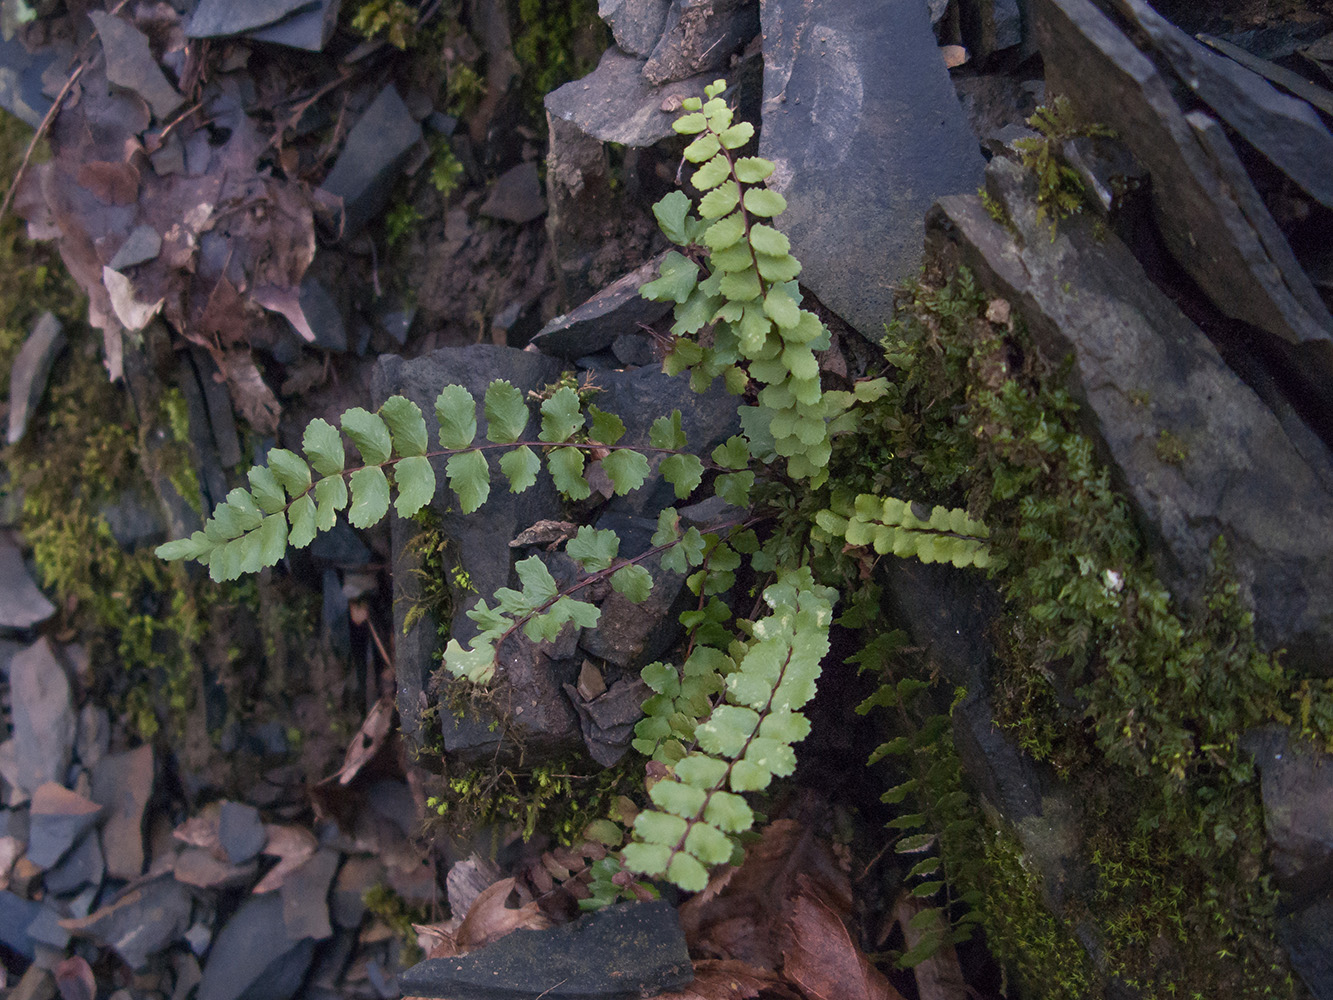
1113, 763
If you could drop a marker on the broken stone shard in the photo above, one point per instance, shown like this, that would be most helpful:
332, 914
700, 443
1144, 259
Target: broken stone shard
847, 126
130, 64
43, 716
253, 957
58, 818
516, 195
310, 28
636, 24
216, 18
617, 310
143, 244
699, 36
140, 923
622, 952
123, 783
22, 605
376, 149
32, 367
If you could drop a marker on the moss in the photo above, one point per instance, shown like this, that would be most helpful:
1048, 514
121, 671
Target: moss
559, 799
557, 41
390, 907
1138, 704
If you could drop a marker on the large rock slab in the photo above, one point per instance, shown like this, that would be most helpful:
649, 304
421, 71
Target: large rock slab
1211, 218
863, 122
1284, 129
141, 922
253, 957
43, 716
1145, 374
619, 953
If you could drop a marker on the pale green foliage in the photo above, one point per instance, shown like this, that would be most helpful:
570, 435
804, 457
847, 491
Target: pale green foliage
891, 527
747, 294
743, 744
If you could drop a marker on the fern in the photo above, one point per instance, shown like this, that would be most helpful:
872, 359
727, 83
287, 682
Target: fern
1060, 190
724, 721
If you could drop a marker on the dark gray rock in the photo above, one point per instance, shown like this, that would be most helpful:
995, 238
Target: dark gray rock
21, 81
376, 150
240, 832
863, 144
614, 312
14, 823
1110, 174
22, 605
123, 783
619, 953
324, 315
135, 523
141, 922
16, 914
305, 897
1002, 774
32, 367
45, 928
310, 28
634, 350
335, 621
617, 103
348, 905
58, 818
1235, 473
635, 24
1297, 785
990, 26
699, 36
340, 546
43, 716
631, 635
516, 196
130, 63
1284, 129
1211, 218
1288, 80
608, 720
216, 18
1307, 935
252, 956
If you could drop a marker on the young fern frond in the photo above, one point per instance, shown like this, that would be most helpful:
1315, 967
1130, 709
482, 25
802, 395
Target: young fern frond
890, 526
744, 743
287, 504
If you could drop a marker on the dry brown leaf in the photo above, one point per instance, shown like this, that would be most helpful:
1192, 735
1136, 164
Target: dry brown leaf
367, 741
954, 55
438, 940
292, 846
488, 919
743, 920
823, 960
202, 830
249, 392
287, 303
939, 977
718, 980
113, 183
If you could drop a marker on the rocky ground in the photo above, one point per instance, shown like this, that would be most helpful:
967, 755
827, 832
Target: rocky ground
271, 211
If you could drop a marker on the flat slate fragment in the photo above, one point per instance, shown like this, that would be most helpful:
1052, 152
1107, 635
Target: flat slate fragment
130, 63
376, 149
215, 18
620, 953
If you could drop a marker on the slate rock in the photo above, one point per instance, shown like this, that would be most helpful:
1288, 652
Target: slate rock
617, 103
134, 522
348, 904
123, 783
58, 818
1212, 220
990, 26
1239, 476
1297, 786
324, 315
340, 546
140, 922
31, 369
1108, 170
130, 64
22, 605
516, 196
83, 866
305, 897
621, 952
636, 25
699, 36
1307, 934
1284, 129
21, 80
217, 18
252, 957
240, 832
614, 312
634, 350
16, 914
43, 716
143, 244
632, 635
608, 720
335, 614
863, 143
310, 28
483, 544
377, 148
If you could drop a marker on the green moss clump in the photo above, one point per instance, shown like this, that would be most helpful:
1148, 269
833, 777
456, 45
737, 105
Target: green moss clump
1137, 703
395, 911
558, 41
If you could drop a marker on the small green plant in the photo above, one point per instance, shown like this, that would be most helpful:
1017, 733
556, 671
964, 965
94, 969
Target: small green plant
1060, 190
394, 20
445, 169
725, 719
